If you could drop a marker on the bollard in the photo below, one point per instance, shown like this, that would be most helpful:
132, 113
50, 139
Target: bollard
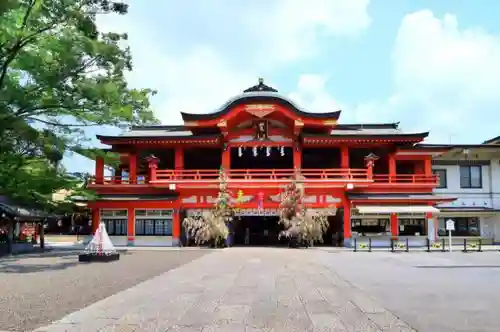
442, 245
480, 245
465, 245
428, 245
369, 244
355, 245
407, 246
392, 245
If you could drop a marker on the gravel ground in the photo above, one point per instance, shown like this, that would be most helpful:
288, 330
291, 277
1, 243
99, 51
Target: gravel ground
36, 290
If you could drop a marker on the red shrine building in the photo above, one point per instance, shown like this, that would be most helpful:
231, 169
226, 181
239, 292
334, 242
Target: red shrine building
372, 178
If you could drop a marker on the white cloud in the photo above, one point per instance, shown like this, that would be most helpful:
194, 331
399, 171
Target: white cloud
199, 59
446, 79
312, 94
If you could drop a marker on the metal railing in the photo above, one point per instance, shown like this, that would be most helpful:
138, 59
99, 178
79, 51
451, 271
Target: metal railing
404, 245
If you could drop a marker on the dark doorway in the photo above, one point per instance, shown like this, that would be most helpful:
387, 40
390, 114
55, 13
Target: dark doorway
275, 160
257, 231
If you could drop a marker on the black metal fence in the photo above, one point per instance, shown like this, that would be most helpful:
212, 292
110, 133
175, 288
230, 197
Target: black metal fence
403, 245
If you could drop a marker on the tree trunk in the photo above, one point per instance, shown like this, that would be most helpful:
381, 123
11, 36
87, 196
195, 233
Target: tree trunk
42, 235
10, 235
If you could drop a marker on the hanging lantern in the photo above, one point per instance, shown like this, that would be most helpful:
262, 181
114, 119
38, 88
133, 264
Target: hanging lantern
282, 151
254, 151
268, 151
240, 151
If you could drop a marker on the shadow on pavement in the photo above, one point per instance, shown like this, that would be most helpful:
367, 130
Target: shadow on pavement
33, 268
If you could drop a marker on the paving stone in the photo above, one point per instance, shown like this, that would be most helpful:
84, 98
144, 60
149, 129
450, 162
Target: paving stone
243, 289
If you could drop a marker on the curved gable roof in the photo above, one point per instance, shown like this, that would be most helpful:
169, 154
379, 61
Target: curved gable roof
259, 93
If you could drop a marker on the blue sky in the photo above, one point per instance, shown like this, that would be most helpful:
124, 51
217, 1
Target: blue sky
432, 65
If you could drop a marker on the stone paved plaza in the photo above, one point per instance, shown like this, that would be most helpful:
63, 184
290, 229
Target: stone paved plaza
266, 289
37, 289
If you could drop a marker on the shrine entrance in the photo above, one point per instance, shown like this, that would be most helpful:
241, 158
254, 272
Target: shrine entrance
257, 231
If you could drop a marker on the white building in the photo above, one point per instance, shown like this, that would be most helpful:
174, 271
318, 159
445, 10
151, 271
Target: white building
471, 173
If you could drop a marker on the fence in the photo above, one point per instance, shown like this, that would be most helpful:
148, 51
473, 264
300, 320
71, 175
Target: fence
404, 245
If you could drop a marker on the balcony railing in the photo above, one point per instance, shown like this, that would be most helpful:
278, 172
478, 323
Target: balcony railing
272, 175
260, 174
405, 178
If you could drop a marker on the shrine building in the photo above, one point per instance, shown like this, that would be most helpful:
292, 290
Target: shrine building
371, 178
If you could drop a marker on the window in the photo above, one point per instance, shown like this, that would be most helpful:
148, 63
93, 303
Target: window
441, 173
153, 227
471, 177
412, 227
115, 226
370, 226
153, 222
464, 226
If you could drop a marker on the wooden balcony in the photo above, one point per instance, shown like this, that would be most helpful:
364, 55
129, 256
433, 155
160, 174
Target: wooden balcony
267, 178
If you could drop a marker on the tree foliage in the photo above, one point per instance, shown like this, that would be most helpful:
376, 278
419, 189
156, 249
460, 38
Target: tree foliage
58, 76
299, 223
212, 225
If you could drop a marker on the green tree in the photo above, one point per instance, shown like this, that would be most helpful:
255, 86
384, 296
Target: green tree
58, 76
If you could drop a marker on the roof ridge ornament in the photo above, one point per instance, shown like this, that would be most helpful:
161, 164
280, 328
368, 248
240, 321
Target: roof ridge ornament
260, 87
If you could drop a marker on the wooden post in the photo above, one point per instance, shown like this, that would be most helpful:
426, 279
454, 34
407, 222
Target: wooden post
394, 226
132, 168
176, 228
99, 170
344, 156
130, 226
96, 218
347, 221
392, 167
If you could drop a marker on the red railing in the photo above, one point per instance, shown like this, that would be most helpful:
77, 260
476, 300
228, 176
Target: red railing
110, 180
261, 174
405, 178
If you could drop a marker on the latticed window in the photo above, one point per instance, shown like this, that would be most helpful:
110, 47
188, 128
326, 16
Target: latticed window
153, 222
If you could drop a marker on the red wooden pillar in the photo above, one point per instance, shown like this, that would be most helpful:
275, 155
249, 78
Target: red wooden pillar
176, 227
347, 222
131, 226
132, 168
394, 225
99, 170
428, 167
226, 158
96, 218
179, 158
344, 156
297, 157
392, 167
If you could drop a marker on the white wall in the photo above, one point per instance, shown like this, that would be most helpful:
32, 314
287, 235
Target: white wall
469, 197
